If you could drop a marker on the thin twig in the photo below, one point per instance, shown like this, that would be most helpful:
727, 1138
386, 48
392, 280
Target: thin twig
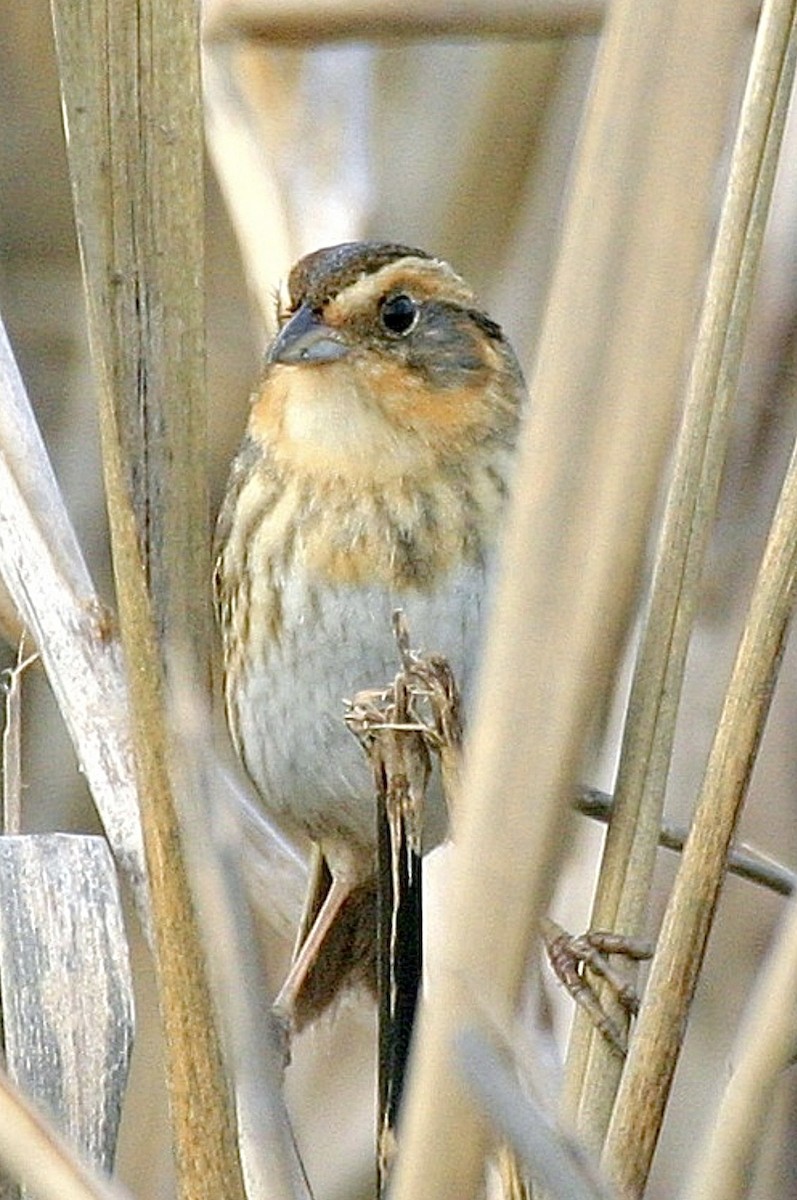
12, 743
396, 741
743, 861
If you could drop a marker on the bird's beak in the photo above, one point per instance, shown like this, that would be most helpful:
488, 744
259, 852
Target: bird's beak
306, 339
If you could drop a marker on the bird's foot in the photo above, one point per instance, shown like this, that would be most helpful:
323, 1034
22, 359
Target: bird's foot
573, 958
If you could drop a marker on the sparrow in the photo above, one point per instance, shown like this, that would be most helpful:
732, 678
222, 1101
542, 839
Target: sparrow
373, 476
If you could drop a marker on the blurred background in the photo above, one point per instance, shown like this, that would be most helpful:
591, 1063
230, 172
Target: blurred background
462, 147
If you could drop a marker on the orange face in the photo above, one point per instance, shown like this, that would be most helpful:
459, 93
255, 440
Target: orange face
390, 374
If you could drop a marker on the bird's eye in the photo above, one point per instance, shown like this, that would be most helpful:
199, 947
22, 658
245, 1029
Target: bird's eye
398, 314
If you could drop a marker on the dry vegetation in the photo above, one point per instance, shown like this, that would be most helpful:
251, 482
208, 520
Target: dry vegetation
609, 187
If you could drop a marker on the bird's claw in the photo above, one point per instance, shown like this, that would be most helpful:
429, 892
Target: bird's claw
572, 957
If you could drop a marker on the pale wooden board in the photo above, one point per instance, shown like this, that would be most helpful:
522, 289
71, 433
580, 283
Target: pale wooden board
65, 984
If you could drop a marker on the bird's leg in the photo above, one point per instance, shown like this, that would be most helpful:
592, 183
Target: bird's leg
319, 881
307, 953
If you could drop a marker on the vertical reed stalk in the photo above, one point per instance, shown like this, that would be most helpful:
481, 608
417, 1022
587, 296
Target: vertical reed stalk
605, 388
623, 888
131, 98
653, 1054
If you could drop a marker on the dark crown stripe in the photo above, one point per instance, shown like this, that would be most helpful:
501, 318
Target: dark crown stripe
327, 272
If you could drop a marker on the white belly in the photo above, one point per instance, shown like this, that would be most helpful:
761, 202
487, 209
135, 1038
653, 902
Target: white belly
333, 644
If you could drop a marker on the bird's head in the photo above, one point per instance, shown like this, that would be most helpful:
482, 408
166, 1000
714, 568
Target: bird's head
383, 361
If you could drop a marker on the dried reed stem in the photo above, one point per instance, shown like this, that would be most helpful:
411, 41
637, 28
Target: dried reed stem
653, 1054
764, 1049
605, 387
130, 87
76, 637
626, 874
